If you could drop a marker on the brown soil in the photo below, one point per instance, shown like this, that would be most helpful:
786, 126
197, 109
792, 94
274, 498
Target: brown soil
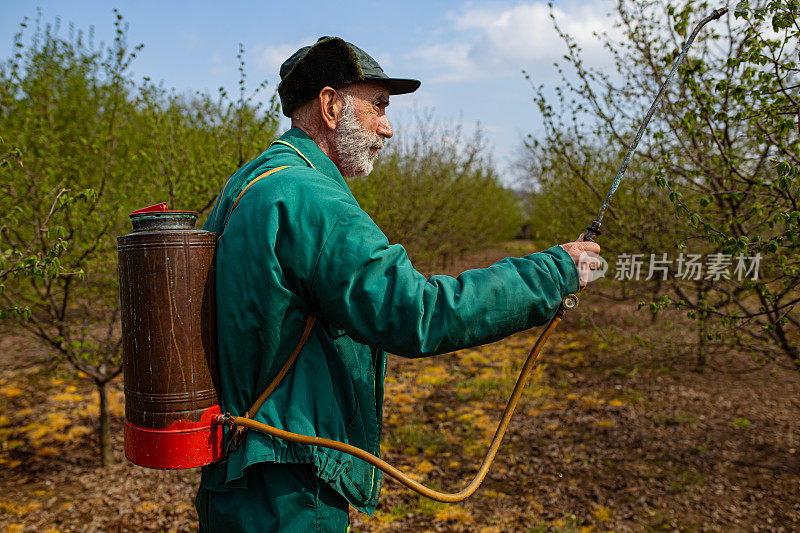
617, 432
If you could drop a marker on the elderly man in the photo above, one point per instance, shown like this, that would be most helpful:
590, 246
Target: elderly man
294, 243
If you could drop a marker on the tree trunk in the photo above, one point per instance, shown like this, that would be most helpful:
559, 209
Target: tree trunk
779, 334
654, 297
702, 332
702, 355
104, 434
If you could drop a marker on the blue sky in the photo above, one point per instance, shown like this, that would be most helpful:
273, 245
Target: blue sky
467, 54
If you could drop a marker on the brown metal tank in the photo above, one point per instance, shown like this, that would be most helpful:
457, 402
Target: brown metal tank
166, 280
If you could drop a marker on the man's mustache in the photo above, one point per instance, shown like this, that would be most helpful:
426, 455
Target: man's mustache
379, 142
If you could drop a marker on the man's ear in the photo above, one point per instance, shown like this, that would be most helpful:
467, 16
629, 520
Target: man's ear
330, 104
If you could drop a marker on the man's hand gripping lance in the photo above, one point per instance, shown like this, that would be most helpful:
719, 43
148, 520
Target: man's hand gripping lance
569, 302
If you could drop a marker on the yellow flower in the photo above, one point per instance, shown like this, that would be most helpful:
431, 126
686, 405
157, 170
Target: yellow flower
10, 391
602, 514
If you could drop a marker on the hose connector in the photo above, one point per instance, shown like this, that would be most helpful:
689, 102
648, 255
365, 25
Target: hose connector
570, 301
223, 420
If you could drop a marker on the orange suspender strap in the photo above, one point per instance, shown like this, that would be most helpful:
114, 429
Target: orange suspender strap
310, 320
284, 369
256, 180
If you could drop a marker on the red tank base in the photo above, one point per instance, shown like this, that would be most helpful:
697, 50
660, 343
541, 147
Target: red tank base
184, 444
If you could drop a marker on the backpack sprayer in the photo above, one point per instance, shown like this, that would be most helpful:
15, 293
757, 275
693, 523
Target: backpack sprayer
172, 415
166, 286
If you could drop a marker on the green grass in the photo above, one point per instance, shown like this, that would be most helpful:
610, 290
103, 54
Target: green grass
480, 388
568, 523
430, 507
412, 439
742, 423
687, 480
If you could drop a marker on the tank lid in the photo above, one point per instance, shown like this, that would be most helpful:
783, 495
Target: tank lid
158, 217
152, 209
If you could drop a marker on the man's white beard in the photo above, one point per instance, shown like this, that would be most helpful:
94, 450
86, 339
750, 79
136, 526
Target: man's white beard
353, 144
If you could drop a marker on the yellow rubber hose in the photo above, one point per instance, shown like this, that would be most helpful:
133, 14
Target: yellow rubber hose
243, 422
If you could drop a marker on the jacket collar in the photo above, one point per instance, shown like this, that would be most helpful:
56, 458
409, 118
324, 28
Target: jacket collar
311, 153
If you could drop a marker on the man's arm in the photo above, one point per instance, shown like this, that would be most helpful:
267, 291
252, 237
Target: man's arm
370, 289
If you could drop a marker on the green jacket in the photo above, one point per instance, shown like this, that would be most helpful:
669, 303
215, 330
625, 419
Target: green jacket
297, 244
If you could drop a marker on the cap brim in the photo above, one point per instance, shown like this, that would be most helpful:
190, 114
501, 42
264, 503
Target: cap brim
400, 85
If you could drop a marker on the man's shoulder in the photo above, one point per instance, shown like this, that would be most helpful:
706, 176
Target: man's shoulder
278, 181
281, 179
282, 176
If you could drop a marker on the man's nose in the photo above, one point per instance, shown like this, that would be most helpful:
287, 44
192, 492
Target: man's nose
384, 127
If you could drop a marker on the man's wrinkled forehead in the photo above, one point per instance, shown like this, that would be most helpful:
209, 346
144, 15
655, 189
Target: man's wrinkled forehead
371, 91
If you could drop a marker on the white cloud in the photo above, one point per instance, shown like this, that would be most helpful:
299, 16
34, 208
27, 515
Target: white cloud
385, 60
269, 58
489, 42
451, 60
190, 40
220, 65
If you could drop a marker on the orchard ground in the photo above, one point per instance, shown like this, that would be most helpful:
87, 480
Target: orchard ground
617, 431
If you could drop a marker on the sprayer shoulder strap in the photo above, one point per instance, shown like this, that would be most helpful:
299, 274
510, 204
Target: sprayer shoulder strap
310, 320
240, 431
256, 180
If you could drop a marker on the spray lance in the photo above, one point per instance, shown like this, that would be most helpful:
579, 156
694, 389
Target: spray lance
172, 419
594, 228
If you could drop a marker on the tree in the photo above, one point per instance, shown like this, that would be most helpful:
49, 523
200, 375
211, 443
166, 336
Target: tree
39, 256
724, 146
89, 132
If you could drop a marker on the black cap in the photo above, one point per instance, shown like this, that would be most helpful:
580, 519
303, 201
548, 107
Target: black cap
331, 62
